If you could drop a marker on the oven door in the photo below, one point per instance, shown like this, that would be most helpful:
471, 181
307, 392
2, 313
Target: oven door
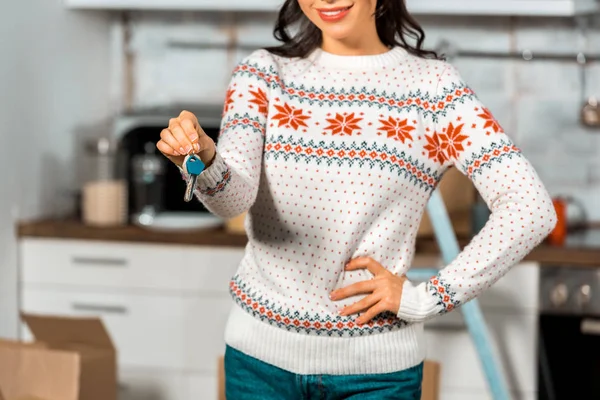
569, 357
569, 334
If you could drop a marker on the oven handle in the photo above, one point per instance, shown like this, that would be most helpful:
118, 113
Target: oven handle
590, 326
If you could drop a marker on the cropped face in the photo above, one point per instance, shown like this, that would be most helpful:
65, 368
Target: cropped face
341, 20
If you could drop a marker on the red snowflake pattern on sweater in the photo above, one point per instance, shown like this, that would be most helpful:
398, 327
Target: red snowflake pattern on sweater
434, 148
228, 100
396, 128
259, 98
490, 120
452, 141
291, 117
343, 124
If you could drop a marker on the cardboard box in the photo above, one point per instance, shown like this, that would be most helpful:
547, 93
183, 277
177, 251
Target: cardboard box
459, 195
71, 359
28, 372
431, 380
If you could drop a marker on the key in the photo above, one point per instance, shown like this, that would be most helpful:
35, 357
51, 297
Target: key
192, 166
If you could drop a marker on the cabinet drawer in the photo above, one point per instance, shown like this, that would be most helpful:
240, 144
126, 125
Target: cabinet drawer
150, 384
203, 386
144, 384
181, 333
128, 265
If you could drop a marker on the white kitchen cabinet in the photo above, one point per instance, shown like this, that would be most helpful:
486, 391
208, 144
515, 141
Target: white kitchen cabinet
148, 330
203, 386
517, 291
149, 384
419, 7
117, 265
515, 338
165, 306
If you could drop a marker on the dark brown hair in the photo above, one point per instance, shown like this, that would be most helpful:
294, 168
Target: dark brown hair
395, 26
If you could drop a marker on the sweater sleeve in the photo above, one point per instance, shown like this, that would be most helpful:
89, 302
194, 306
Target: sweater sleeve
229, 186
469, 138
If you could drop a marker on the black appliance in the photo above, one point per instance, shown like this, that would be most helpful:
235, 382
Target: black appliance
569, 327
134, 131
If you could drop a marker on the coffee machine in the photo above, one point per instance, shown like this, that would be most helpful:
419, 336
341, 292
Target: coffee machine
155, 185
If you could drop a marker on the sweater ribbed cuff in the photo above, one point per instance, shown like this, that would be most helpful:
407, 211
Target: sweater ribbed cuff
416, 304
214, 175
213, 179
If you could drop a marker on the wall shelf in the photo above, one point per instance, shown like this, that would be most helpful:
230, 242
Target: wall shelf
538, 8
543, 8
177, 5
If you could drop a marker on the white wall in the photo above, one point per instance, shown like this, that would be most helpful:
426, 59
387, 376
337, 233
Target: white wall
54, 77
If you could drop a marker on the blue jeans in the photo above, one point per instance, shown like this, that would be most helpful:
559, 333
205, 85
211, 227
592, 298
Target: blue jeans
247, 378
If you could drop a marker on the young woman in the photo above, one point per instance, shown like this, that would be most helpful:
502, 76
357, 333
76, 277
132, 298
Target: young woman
333, 142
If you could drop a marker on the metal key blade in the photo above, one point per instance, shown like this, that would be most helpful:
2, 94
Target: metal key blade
193, 166
190, 188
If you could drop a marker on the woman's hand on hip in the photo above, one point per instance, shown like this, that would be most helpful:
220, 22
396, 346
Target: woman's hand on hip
184, 136
384, 291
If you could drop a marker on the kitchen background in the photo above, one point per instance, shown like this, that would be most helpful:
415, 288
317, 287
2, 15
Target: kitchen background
66, 74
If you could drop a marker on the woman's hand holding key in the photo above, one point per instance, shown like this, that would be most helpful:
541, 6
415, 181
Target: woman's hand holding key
185, 136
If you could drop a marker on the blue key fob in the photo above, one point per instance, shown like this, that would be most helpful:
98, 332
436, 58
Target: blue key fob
193, 165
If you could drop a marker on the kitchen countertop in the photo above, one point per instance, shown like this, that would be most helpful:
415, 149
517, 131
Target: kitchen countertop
581, 249
73, 229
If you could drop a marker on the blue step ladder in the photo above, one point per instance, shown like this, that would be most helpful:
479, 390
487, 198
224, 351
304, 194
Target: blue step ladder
474, 321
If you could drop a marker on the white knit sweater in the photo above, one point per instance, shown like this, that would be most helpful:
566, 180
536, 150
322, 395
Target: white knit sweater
335, 157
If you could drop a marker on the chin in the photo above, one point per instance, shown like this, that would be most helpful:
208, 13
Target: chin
340, 33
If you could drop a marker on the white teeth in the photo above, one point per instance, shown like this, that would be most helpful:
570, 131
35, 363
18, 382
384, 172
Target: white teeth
333, 13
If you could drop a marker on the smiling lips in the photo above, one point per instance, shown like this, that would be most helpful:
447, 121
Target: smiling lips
333, 14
